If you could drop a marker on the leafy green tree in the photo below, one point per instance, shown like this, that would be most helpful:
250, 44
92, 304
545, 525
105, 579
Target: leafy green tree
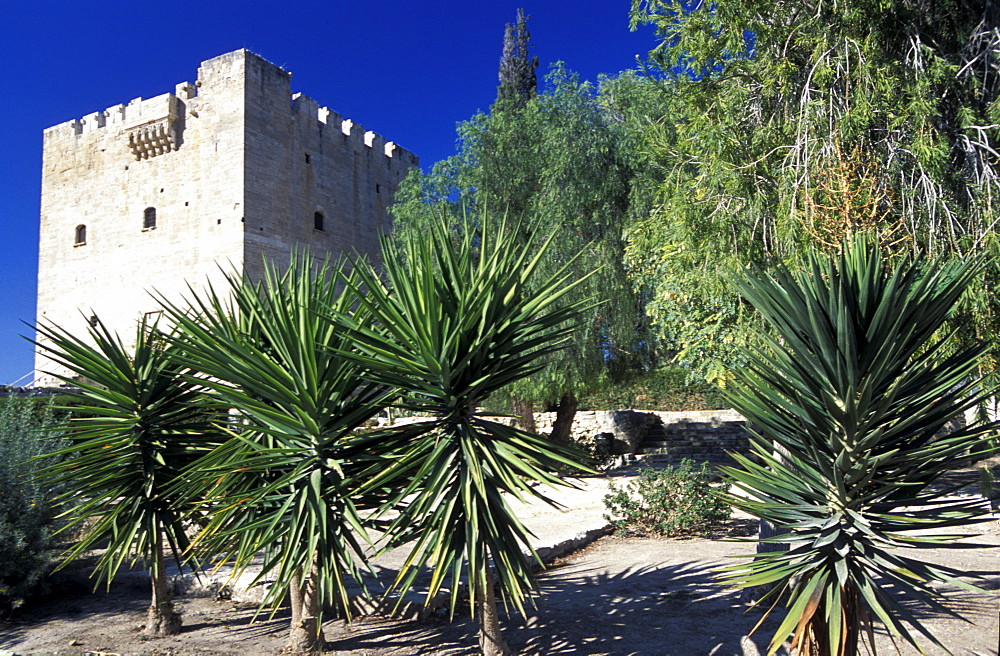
518, 80
459, 315
137, 420
553, 166
295, 462
796, 123
854, 389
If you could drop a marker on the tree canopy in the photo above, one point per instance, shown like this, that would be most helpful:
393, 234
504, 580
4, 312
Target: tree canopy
796, 123
557, 165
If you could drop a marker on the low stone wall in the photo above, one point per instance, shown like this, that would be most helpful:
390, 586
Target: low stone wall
630, 426
660, 438
586, 424
710, 440
667, 437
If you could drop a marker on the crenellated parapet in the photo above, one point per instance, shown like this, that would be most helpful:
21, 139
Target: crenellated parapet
154, 126
163, 110
331, 123
148, 126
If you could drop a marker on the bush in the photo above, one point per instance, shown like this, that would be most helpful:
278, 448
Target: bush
671, 501
27, 516
668, 389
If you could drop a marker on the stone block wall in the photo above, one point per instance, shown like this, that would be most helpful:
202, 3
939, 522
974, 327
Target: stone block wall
656, 437
589, 423
701, 439
663, 437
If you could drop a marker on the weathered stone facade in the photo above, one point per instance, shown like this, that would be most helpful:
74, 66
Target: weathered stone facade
160, 193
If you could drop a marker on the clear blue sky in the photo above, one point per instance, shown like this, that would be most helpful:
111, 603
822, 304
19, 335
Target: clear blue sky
407, 70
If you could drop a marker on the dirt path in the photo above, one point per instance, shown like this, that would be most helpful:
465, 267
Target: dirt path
627, 597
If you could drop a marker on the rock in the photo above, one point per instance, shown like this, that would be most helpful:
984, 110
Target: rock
749, 647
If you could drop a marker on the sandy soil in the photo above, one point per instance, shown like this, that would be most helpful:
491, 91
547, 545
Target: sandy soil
626, 597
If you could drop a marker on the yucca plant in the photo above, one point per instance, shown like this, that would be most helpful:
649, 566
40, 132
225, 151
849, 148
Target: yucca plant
459, 315
846, 402
136, 421
285, 484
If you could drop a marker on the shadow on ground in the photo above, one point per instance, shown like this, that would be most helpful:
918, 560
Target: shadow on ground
658, 609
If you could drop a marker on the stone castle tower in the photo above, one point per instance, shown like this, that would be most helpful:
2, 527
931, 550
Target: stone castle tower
158, 193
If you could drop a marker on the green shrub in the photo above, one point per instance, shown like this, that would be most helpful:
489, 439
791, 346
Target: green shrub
27, 516
671, 501
668, 389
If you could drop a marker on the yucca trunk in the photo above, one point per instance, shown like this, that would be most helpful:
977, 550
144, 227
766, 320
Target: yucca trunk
306, 634
853, 619
491, 642
161, 619
766, 531
295, 598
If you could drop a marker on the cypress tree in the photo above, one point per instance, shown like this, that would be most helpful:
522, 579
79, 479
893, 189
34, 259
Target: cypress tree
518, 81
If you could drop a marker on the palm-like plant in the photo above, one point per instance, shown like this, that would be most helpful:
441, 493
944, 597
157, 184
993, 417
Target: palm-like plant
136, 421
459, 316
284, 485
846, 403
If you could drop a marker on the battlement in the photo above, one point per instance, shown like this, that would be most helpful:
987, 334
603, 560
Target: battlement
137, 112
327, 119
154, 125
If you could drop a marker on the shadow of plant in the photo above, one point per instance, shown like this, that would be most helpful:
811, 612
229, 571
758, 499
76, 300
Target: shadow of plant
661, 610
634, 597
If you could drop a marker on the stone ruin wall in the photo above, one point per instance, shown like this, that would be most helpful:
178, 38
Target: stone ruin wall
588, 423
717, 431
